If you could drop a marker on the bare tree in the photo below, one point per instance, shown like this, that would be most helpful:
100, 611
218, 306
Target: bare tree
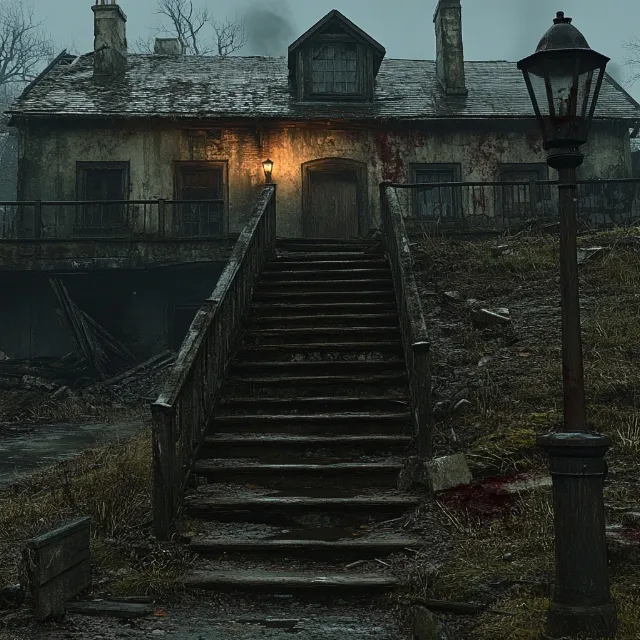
633, 59
24, 46
196, 29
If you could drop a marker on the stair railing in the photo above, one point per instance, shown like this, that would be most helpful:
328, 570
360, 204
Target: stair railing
415, 340
185, 406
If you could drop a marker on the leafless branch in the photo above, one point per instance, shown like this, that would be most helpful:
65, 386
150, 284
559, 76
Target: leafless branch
230, 35
24, 46
196, 29
633, 60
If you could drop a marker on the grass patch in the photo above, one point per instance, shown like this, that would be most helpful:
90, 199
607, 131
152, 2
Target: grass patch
516, 394
112, 485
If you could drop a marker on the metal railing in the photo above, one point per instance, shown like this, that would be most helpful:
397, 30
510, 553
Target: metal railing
185, 406
412, 323
126, 219
513, 205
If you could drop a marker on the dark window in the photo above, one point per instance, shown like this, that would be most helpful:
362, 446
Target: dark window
436, 202
106, 183
334, 68
204, 184
524, 199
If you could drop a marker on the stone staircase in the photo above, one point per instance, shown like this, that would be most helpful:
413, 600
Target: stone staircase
300, 464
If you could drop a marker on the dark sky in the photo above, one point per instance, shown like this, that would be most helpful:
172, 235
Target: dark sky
493, 29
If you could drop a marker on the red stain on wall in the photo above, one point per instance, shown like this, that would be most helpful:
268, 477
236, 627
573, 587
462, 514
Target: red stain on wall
390, 158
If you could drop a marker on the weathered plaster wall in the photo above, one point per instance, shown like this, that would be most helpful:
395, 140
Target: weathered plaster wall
49, 156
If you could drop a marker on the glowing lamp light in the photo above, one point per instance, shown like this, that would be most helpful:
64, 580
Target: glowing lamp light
267, 165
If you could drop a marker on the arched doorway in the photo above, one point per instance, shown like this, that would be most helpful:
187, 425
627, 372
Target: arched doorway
334, 193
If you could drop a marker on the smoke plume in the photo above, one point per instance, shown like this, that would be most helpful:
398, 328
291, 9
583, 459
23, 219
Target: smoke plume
269, 30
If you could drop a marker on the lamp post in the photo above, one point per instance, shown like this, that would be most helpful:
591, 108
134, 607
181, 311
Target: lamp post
267, 165
564, 77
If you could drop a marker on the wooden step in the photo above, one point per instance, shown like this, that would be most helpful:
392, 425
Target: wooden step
351, 351
300, 474
261, 445
380, 417
317, 367
263, 295
390, 320
315, 424
327, 264
296, 335
344, 256
317, 285
287, 582
322, 309
250, 404
289, 545
306, 274
272, 508
392, 378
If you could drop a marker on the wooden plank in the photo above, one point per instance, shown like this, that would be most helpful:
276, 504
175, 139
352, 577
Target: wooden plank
50, 561
58, 566
111, 609
60, 533
49, 599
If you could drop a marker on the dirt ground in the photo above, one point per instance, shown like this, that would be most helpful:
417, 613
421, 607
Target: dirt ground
479, 548
511, 375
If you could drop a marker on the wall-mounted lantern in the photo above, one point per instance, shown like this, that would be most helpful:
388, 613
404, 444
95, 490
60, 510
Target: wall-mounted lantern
267, 165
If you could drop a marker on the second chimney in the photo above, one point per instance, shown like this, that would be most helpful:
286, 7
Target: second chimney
449, 48
167, 47
110, 39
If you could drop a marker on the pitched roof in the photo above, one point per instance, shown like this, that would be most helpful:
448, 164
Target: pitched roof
258, 87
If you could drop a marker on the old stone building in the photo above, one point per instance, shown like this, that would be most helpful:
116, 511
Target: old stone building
336, 117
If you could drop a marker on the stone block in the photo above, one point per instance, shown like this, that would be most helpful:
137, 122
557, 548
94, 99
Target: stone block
426, 626
486, 318
447, 472
631, 519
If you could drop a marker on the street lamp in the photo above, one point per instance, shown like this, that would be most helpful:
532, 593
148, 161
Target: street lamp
267, 165
564, 77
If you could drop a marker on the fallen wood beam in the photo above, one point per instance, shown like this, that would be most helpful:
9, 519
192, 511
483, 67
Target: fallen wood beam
110, 608
149, 365
462, 608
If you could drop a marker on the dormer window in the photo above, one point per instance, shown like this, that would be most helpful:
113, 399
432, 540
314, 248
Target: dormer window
335, 60
334, 68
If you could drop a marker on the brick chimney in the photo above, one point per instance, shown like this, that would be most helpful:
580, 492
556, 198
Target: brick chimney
110, 40
449, 49
167, 47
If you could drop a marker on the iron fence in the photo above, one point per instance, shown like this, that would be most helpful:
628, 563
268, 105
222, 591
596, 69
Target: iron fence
126, 219
506, 205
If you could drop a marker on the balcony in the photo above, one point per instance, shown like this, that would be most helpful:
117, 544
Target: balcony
52, 235
501, 206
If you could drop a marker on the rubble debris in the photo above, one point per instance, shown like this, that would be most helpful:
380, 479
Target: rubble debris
462, 405
589, 253
486, 318
144, 369
447, 472
631, 519
3, 356
501, 250
33, 382
451, 297
104, 353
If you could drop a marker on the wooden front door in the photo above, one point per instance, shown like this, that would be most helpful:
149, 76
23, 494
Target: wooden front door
332, 208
